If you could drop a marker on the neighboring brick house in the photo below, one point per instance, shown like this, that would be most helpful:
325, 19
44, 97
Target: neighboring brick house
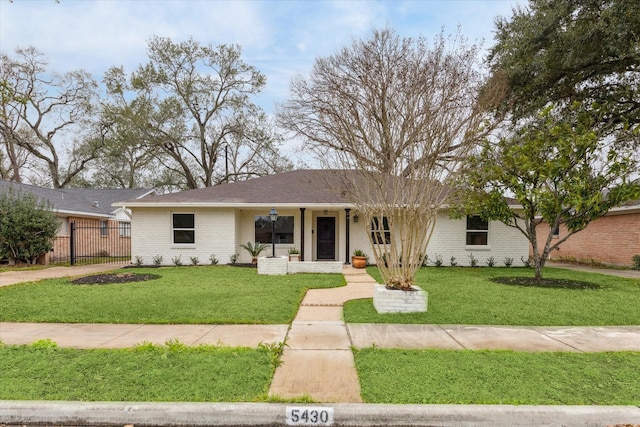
612, 239
86, 207
313, 216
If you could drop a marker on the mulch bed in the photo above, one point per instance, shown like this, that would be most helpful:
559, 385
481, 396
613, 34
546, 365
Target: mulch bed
109, 278
545, 283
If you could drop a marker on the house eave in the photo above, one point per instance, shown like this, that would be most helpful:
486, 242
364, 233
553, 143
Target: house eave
65, 212
130, 205
624, 210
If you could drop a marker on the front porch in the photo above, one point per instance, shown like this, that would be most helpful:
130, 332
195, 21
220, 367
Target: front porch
321, 234
281, 265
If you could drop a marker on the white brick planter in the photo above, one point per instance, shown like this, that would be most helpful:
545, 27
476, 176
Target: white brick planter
394, 301
273, 266
315, 267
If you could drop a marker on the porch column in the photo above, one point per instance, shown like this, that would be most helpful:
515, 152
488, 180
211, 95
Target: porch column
347, 213
302, 234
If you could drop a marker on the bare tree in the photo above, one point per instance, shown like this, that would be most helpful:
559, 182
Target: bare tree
191, 105
403, 114
48, 115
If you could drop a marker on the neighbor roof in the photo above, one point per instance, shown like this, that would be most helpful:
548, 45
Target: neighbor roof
79, 201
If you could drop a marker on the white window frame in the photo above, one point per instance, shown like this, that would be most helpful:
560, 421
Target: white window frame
378, 232
477, 231
174, 229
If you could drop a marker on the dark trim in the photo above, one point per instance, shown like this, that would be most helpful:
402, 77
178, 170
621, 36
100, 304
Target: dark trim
347, 212
72, 243
326, 227
302, 234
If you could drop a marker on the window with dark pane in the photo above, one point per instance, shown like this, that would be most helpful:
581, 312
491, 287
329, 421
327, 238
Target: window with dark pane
477, 231
283, 227
184, 228
380, 232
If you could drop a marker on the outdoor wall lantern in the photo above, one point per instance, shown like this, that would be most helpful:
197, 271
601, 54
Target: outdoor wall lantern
273, 216
356, 218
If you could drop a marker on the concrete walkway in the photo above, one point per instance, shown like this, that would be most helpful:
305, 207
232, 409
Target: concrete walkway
318, 361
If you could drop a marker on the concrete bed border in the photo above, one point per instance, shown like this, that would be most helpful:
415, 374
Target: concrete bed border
27, 413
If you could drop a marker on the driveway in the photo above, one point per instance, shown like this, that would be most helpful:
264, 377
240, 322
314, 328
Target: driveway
20, 276
629, 274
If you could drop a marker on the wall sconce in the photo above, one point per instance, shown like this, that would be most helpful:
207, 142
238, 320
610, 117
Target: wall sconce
325, 212
356, 218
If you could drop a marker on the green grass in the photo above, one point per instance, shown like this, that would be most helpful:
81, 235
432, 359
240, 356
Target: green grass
146, 373
208, 295
467, 296
498, 377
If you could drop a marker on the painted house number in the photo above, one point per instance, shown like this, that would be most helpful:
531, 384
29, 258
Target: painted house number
309, 416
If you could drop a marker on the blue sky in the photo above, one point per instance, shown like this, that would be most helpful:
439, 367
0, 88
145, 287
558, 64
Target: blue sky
280, 38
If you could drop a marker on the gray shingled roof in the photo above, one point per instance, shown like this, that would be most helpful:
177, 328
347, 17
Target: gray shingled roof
306, 187
82, 201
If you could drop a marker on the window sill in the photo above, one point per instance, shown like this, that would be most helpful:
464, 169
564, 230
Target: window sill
477, 247
183, 246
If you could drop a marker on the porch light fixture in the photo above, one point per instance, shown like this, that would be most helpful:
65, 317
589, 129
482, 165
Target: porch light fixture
273, 216
356, 218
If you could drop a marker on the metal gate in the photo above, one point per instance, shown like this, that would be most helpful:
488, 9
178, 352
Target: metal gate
103, 242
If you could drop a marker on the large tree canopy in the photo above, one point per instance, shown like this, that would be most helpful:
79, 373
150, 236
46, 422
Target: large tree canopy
46, 119
191, 107
401, 112
566, 51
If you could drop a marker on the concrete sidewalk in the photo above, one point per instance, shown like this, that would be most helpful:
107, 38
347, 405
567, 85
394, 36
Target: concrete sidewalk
332, 335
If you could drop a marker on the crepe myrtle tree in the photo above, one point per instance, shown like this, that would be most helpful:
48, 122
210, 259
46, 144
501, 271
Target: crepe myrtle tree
561, 172
27, 226
397, 115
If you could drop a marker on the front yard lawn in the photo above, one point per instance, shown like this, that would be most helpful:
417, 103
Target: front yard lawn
498, 377
206, 294
174, 372
468, 296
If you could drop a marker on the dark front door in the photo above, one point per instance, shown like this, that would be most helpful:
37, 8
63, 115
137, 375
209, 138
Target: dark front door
326, 238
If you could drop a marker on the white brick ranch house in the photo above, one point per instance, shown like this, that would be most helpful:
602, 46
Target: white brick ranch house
313, 217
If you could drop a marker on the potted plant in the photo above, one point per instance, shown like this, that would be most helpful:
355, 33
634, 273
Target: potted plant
294, 254
255, 250
359, 259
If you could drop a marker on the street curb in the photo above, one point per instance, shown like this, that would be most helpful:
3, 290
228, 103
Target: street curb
27, 413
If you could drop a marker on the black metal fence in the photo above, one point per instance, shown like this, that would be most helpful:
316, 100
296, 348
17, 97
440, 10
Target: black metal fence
103, 242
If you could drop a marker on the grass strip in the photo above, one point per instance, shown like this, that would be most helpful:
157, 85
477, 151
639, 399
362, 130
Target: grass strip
187, 295
498, 377
468, 296
147, 373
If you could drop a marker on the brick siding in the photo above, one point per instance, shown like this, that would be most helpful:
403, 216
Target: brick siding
612, 239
